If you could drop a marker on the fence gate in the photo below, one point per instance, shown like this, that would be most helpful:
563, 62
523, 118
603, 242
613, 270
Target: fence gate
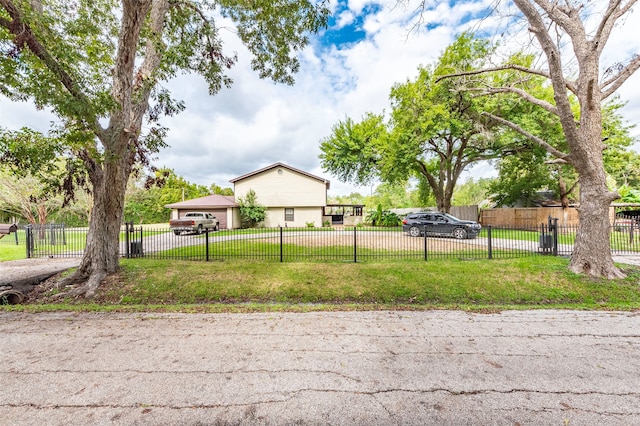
40, 237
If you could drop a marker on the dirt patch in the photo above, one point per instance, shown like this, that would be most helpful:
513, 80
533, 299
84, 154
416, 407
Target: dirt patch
46, 291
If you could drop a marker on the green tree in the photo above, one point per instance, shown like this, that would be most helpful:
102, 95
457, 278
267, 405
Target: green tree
26, 198
251, 211
434, 132
353, 198
532, 170
215, 189
391, 196
573, 72
629, 195
98, 64
621, 162
353, 152
147, 197
471, 192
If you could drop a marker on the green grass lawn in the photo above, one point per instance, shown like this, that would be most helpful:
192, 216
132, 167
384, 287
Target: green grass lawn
12, 251
487, 285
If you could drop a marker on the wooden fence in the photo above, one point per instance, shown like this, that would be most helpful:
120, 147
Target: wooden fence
465, 212
532, 216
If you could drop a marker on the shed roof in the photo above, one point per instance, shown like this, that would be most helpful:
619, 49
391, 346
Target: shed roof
284, 166
208, 202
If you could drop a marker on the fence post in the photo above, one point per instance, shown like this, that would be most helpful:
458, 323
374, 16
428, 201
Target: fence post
425, 244
281, 247
127, 242
206, 244
141, 246
355, 245
555, 236
489, 244
29, 240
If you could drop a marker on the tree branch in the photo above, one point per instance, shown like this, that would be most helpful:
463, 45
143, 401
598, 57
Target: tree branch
609, 18
524, 95
150, 65
23, 37
550, 149
430, 179
569, 84
554, 59
615, 82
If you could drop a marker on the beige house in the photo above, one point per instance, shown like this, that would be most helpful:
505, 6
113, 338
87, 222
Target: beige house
292, 197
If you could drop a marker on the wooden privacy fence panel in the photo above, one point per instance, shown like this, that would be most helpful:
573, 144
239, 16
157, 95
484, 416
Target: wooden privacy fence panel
526, 217
465, 212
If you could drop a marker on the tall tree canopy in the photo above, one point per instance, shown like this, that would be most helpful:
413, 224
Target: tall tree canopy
146, 197
434, 132
98, 64
522, 176
572, 37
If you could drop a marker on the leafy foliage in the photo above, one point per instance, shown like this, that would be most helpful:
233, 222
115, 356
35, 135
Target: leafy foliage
522, 176
251, 212
99, 65
471, 192
354, 150
629, 195
380, 217
146, 203
435, 131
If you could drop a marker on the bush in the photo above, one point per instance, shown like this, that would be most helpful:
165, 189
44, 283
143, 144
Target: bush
251, 212
381, 217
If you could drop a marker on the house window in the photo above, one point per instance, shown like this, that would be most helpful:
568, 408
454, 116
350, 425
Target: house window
288, 215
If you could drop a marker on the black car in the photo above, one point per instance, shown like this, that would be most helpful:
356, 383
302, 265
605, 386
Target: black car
440, 224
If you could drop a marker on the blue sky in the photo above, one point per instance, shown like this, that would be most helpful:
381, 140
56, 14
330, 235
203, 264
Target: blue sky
347, 70
345, 26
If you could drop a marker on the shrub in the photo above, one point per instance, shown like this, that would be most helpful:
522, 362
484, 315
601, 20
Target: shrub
251, 212
381, 217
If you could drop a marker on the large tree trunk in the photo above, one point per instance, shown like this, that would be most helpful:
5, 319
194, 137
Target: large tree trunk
592, 250
102, 252
109, 177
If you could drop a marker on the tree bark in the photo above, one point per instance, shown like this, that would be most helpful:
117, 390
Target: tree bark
592, 250
109, 179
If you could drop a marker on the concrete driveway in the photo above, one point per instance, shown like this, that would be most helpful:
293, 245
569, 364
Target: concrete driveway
343, 368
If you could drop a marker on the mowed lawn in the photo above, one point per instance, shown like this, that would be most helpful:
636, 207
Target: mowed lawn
231, 286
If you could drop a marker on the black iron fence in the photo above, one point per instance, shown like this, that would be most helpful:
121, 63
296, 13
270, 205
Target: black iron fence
320, 244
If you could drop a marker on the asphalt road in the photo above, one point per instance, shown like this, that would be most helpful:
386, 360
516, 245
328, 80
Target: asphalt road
342, 368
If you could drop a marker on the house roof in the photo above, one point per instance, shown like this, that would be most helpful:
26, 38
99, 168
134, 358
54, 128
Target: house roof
208, 202
284, 166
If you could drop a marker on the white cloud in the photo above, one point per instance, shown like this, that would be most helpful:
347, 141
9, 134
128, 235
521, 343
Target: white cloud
345, 18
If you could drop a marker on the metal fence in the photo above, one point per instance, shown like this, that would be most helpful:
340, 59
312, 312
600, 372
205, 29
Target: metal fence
320, 244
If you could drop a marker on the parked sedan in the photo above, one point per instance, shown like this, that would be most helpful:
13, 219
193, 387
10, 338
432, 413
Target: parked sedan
439, 224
